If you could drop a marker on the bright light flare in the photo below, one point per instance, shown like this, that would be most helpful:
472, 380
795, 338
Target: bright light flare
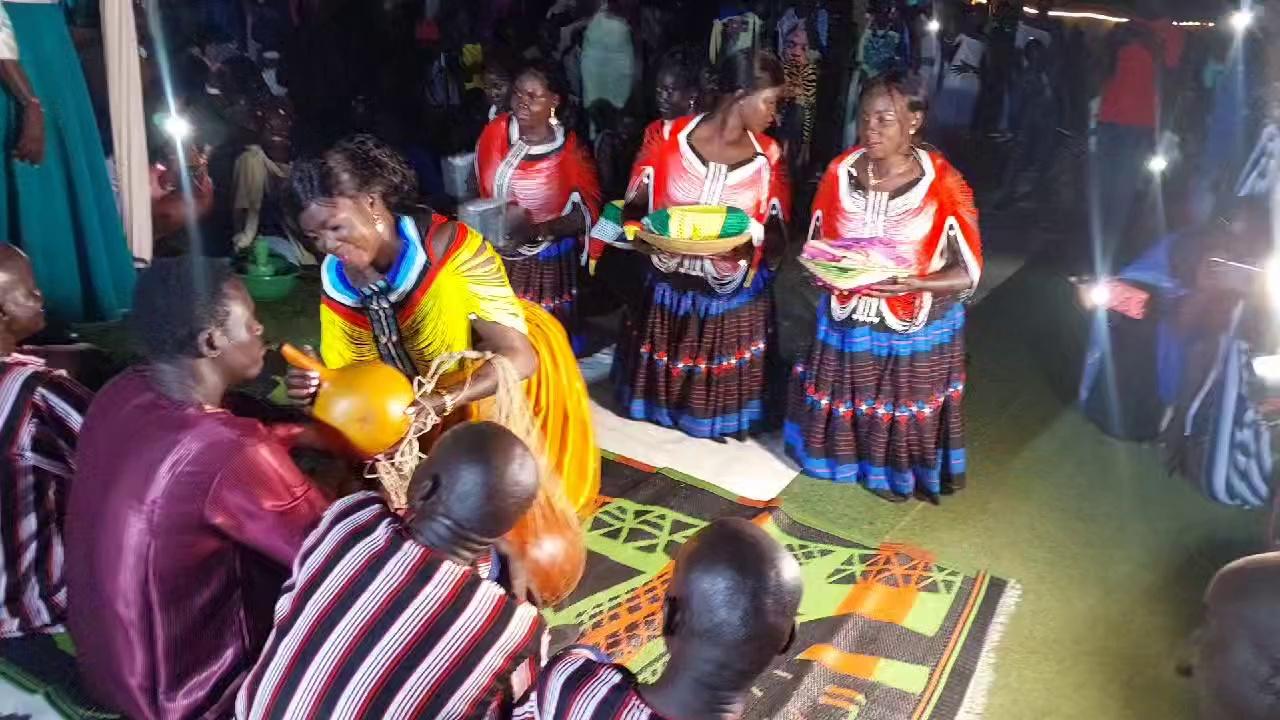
1088, 16
1241, 19
1098, 295
933, 26
1267, 367
177, 127
1272, 273
1158, 164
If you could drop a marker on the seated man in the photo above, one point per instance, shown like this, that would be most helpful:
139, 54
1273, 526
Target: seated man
729, 611
384, 618
40, 414
1235, 669
184, 518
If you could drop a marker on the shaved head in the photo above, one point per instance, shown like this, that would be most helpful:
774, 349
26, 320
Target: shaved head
21, 304
10, 255
1238, 659
734, 597
478, 481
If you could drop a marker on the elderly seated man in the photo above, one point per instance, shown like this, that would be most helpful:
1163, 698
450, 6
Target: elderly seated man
729, 611
183, 518
385, 617
40, 414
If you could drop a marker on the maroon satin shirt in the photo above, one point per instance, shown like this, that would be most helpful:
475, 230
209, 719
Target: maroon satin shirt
182, 523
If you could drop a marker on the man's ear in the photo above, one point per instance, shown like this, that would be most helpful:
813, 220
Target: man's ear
670, 616
424, 492
791, 639
210, 342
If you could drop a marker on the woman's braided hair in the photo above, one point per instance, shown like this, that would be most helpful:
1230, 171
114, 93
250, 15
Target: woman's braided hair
361, 164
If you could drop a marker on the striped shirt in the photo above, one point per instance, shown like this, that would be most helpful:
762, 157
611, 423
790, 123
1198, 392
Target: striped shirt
373, 624
40, 414
576, 685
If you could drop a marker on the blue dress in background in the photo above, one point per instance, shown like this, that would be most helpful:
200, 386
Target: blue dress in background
63, 213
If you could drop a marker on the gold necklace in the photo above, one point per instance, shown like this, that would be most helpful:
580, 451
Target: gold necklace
871, 174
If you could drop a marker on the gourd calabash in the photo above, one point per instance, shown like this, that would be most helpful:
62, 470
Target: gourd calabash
367, 402
549, 540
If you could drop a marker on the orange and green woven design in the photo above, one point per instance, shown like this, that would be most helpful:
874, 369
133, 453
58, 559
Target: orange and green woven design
883, 633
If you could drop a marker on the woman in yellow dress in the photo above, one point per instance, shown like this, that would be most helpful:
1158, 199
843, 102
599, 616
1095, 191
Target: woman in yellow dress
405, 286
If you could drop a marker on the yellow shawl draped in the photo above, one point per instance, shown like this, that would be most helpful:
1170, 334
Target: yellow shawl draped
434, 301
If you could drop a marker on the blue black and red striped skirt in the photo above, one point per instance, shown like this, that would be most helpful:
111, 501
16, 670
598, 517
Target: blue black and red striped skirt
550, 279
695, 360
874, 406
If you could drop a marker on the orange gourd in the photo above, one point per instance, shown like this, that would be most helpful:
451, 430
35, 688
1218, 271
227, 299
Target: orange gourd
549, 541
369, 403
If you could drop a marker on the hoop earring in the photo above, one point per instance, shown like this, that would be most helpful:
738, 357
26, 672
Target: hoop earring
555, 121
379, 224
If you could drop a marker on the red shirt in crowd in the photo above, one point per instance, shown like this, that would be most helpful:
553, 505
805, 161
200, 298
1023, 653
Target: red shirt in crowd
1129, 97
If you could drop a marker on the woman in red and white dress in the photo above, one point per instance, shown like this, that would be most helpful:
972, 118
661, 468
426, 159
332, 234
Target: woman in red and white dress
692, 356
878, 399
529, 159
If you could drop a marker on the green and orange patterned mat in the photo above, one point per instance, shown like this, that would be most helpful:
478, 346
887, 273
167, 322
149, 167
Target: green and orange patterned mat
885, 633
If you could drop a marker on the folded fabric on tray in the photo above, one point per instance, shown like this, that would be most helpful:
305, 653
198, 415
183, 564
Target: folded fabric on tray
850, 263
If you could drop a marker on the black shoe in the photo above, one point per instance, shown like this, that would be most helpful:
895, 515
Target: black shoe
889, 495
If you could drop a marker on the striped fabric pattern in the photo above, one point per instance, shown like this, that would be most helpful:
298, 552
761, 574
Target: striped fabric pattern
873, 406
42, 410
697, 361
549, 279
375, 624
576, 685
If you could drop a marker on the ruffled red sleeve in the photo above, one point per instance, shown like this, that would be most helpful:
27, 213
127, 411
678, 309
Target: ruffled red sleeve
779, 200
826, 201
648, 167
491, 148
583, 178
958, 216
653, 136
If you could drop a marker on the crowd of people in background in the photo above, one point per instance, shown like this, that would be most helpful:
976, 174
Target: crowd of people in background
264, 81
347, 135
